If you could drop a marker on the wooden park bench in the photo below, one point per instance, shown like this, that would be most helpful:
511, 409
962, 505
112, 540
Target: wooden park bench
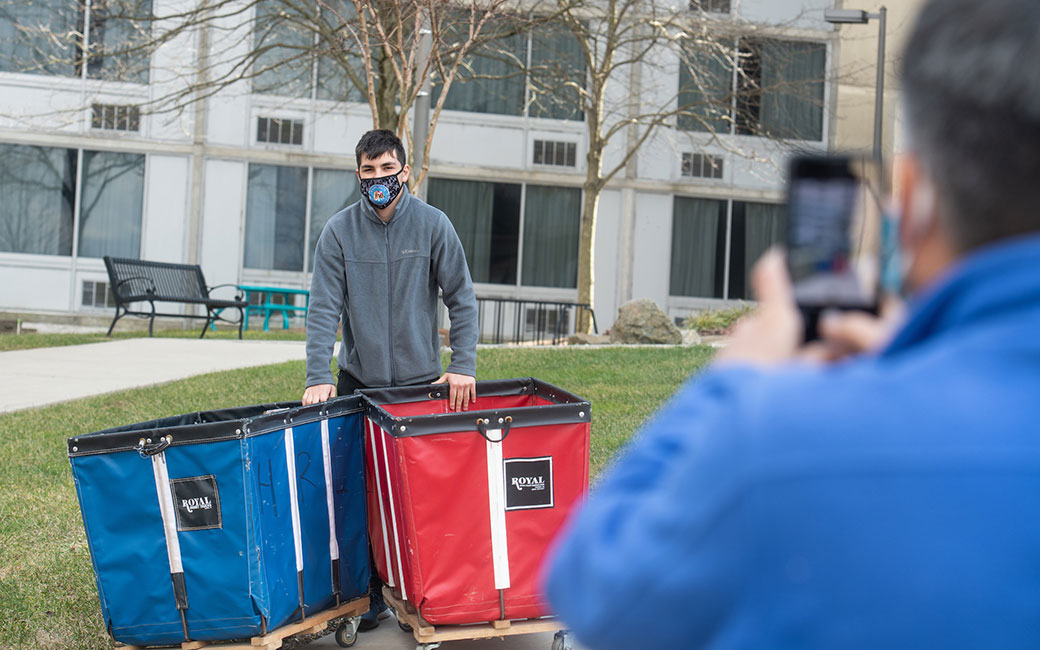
142, 281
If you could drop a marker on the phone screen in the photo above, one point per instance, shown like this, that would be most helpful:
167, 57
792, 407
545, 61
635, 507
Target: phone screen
834, 234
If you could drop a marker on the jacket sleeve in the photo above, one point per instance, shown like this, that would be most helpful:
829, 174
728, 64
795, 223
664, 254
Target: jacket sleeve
658, 539
452, 273
328, 293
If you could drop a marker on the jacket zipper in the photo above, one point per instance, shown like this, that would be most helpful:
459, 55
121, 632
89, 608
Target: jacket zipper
390, 303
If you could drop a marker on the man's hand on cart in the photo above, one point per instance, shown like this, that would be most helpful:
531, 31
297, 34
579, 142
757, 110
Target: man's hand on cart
462, 389
318, 393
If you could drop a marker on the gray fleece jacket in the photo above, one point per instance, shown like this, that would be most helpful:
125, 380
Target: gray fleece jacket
381, 281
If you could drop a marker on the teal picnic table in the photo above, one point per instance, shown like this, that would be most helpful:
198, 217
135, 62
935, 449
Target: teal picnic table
267, 304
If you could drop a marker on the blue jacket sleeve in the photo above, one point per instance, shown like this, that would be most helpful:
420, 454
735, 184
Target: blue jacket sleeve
656, 535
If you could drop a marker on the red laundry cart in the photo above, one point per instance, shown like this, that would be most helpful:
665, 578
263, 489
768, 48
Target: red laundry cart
462, 506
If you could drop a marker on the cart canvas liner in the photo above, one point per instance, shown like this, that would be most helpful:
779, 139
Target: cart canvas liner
462, 506
224, 524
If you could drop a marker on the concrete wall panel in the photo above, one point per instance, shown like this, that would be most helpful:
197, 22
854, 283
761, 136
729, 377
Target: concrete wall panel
223, 216
167, 198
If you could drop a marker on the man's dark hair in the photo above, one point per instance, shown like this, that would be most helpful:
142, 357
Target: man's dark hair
377, 142
972, 95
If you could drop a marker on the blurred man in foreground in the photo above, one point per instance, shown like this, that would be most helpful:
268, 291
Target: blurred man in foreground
887, 501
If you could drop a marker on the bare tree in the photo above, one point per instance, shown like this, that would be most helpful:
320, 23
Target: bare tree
388, 50
623, 43
380, 52
384, 52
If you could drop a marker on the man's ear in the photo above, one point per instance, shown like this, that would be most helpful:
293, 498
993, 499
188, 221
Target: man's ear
915, 196
404, 170
924, 238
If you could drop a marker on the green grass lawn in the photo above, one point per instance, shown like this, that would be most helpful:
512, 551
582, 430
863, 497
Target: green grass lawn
47, 594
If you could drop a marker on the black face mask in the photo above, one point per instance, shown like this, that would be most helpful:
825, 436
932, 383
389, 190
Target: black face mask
381, 191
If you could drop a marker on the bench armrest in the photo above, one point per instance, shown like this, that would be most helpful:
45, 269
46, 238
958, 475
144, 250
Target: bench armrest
151, 282
239, 294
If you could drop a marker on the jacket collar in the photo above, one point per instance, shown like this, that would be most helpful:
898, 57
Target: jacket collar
996, 280
404, 203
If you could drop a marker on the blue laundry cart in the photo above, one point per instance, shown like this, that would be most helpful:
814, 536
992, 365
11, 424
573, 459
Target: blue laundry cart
225, 524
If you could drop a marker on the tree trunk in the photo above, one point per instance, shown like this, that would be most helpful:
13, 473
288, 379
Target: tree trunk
386, 94
586, 251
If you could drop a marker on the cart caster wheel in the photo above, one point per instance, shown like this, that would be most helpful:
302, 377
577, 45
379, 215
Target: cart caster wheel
404, 626
346, 635
561, 641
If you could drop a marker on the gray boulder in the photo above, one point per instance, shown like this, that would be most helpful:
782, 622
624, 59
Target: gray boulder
691, 337
642, 321
579, 338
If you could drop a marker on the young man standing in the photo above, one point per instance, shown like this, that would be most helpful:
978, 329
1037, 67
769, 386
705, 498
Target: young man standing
378, 266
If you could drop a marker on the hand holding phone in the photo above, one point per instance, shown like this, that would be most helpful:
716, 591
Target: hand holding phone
833, 234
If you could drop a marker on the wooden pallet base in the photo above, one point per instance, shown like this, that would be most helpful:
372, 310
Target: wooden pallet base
426, 633
311, 625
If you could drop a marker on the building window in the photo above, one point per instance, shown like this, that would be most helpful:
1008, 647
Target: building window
552, 223
710, 6
38, 213
115, 117
303, 53
43, 37
557, 154
776, 90
522, 74
701, 264
492, 81
698, 248
544, 319
279, 131
701, 165
487, 218
557, 68
111, 204
284, 46
754, 227
277, 223
98, 295
780, 89
38, 185
331, 191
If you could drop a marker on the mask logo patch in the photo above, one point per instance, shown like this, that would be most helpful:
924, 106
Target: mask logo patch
196, 501
528, 483
379, 194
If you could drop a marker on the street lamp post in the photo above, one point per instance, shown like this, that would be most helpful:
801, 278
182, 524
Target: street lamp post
858, 16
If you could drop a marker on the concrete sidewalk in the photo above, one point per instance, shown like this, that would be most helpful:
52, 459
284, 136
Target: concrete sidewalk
43, 376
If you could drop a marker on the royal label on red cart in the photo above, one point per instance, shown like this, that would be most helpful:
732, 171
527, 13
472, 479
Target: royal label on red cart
529, 483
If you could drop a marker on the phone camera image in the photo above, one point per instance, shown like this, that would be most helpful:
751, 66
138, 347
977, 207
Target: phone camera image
833, 234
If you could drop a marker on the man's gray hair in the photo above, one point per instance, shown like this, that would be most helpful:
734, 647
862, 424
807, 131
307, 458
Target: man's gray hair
971, 86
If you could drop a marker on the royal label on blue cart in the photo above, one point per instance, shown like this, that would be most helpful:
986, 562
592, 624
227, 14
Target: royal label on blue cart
528, 483
196, 502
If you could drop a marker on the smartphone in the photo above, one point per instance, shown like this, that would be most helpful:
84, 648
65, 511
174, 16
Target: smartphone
833, 234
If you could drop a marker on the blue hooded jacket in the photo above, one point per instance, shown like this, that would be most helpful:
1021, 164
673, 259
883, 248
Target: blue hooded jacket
892, 501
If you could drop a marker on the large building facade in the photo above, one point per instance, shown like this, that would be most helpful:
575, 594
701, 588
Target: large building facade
242, 181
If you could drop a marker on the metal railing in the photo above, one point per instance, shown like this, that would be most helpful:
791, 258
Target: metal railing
511, 320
